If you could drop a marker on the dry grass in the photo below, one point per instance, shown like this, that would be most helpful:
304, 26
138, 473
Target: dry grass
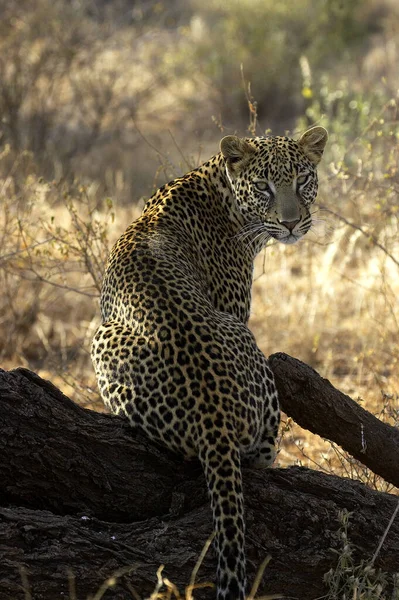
352, 581
332, 303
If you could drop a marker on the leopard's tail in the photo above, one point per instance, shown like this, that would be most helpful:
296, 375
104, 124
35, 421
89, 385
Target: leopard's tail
222, 467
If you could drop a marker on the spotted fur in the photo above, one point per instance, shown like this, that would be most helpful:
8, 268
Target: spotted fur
174, 353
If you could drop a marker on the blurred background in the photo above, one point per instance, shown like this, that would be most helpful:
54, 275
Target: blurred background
102, 101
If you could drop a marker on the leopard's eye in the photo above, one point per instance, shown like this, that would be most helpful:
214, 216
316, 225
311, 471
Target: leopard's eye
262, 186
302, 179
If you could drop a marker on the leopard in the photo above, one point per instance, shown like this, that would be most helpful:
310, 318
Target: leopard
174, 353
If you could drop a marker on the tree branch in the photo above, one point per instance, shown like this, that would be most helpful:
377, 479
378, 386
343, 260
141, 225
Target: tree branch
318, 406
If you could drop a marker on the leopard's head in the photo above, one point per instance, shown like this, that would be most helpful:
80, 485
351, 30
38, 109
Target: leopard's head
274, 182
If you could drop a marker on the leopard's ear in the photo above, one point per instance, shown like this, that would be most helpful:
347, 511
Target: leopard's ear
236, 151
313, 142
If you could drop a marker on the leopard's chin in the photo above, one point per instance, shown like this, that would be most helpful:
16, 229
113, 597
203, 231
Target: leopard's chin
290, 239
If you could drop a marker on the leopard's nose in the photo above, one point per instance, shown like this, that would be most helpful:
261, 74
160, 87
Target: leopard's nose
290, 224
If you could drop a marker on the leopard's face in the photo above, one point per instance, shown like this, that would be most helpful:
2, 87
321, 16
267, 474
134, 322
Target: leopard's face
274, 181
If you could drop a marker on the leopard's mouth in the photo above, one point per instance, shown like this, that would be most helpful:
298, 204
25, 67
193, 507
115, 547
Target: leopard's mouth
290, 236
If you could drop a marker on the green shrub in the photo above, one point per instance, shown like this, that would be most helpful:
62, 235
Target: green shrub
267, 38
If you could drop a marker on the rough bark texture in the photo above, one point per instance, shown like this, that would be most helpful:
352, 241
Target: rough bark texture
316, 405
83, 495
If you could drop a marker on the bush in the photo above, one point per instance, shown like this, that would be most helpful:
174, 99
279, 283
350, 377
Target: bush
268, 39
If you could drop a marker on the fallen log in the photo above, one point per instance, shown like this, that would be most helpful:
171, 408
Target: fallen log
83, 496
58, 456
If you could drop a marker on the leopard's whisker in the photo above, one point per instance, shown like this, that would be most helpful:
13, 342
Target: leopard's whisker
248, 229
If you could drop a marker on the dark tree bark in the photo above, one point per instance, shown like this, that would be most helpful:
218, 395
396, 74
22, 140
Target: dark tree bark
81, 493
58, 456
316, 405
